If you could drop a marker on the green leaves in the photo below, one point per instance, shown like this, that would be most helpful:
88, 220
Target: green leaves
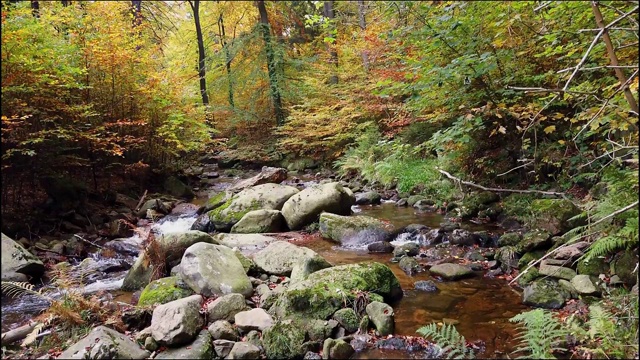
541, 334
453, 344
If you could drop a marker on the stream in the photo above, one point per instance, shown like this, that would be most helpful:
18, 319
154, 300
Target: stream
479, 306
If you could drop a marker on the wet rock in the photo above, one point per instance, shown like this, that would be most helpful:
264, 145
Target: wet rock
222, 348
17, 262
413, 199
104, 343
306, 206
307, 265
259, 221
462, 237
226, 307
222, 329
200, 348
545, 293
353, 230
162, 291
310, 355
394, 343
156, 205
336, 349
243, 350
245, 242
508, 258
425, 285
407, 249
347, 318
585, 285
267, 175
409, 265
534, 240
279, 257
450, 271
552, 215
475, 256
284, 340
254, 319
448, 226
203, 223
211, 269
382, 317
128, 246
119, 228
557, 271
383, 247
177, 188
402, 203
178, 322
368, 198
425, 205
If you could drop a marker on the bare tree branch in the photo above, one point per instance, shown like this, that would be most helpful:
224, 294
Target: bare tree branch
460, 181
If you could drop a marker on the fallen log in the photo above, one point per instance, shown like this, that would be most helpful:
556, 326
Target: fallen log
18, 333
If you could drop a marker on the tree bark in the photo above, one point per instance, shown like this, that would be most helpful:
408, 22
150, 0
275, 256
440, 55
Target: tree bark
195, 6
331, 47
363, 27
137, 12
35, 9
271, 64
227, 57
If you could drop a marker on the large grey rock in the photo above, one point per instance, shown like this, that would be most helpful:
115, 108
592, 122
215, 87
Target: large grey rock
211, 269
279, 257
254, 319
226, 307
244, 350
200, 348
223, 329
368, 198
559, 272
105, 343
265, 196
545, 293
450, 271
17, 260
177, 188
259, 221
162, 291
584, 285
223, 347
406, 249
178, 322
305, 266
267, 175
336, 349
382, 317
306, 206
353, 230
244, 242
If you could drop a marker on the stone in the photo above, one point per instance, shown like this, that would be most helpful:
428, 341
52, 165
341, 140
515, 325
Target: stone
409, 265
17, 262
336, 349
267, 175
203, 223
243, 350
222, 348
119, 228
254, 337
557, 271
215, 201
324, 291
507, 256
450, 271
226, 307
306, 206
569, 288
307, 265
284, 340
259, 221
254, 319
509, 239
128, 246
279, 257
247, 264
571, 252
553, 215
310, 355
244, 242
178, 322
624, 265
200, 348
353, 230
348, 319
425, 285
104, 343
413, 199
462, 237
528, 276
156, 205
534, 240
475, 256
177, 188
211, 269
150, 344
383, 247
584, 285
162, 291
382, 317
545, 293
594, 266
407, 249
368, 198
530, 256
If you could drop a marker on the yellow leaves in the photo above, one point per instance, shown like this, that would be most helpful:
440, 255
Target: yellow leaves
549, 129
561, 142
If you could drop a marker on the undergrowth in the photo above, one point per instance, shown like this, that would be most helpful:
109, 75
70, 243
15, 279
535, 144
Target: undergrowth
453, 345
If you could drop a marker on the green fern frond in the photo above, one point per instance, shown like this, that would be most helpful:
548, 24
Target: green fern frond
15, 288
453, 344
540, 333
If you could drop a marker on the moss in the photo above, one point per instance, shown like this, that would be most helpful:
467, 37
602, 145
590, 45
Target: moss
509, 239
553, 215
529, 256
216, 200
348, 319
594, 267
247, 263
284, 340
162, 291
624, 267
534, 240
528, 277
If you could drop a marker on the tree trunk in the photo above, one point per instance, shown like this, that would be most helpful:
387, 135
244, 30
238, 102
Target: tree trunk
363, 27
35, 9
227, 56
331, 47
271, 64
195, 6
137, 12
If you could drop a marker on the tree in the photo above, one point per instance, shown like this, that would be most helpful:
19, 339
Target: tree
227, 56
331, 39
195, 7
363, 27
271, 62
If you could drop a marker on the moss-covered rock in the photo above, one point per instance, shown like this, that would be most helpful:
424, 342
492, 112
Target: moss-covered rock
409, 265
279, 257
325, 291
162, 291
534, 240
348, 319
215, 201
306, 266
530, 256
553, 215
509, 239
259, 221
476, 202
624, 266
353, 230
507, 256
306, 206
528, 276
559, 272
284, 340
177, 188
247, 263
593, 267
545, 293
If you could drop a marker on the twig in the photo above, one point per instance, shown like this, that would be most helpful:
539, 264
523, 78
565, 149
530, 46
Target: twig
542, 6
611, 28
141, 200
460, 181
602, 67
538, 89
515, 168
88, 242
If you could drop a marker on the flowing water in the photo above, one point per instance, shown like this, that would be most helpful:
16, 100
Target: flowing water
480, 307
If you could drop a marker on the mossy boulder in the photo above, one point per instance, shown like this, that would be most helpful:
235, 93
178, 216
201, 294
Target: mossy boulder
283, 340
450, 271
307, 265
177, 188
593, 267
162, 291
476, 202
348, 319
325, 291
306, 206
528, 276
624, 266
530, 256
509, 239
259, 221
534, 240
409, 265
553, 215
265, 196
215, 201
353, 230
545, 293
247, 263
279, 257
559, 272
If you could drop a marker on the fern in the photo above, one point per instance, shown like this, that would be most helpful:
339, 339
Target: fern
14, 289
541, 333
447, 337
624, 238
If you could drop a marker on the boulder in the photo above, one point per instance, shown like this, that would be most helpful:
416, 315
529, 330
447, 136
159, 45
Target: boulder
307, 265
336, 349
557, 271
382, 317
407, 249
571, 252
450, 271
104, 343
476, 202
279, 257
383, 247
222, 329
244, 242
247, 264
128, 246
509, 239
545, 293
254, 319
211, 269
409, 265
413, 199
462, 237
534, 240
215, 201
284, 340
624, 266
368, 198
17, 262
348, 319
226, 307
585, 285
306, 206
119, 228
177, 188
553, 215
203, 223
507, 257
222, 348
162, 291
200, 348
259, 221
353, 230
156, 205
265, 196
325, 291
178, 322
425, 285
244, 350
266, 175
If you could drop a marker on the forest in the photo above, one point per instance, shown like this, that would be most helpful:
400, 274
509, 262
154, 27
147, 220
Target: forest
480, 157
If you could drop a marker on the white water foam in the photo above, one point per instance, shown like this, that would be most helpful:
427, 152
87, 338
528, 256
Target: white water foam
174, 225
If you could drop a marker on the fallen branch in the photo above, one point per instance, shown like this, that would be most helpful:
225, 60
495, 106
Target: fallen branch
18, 333
460, 181
141, 200
88, 242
